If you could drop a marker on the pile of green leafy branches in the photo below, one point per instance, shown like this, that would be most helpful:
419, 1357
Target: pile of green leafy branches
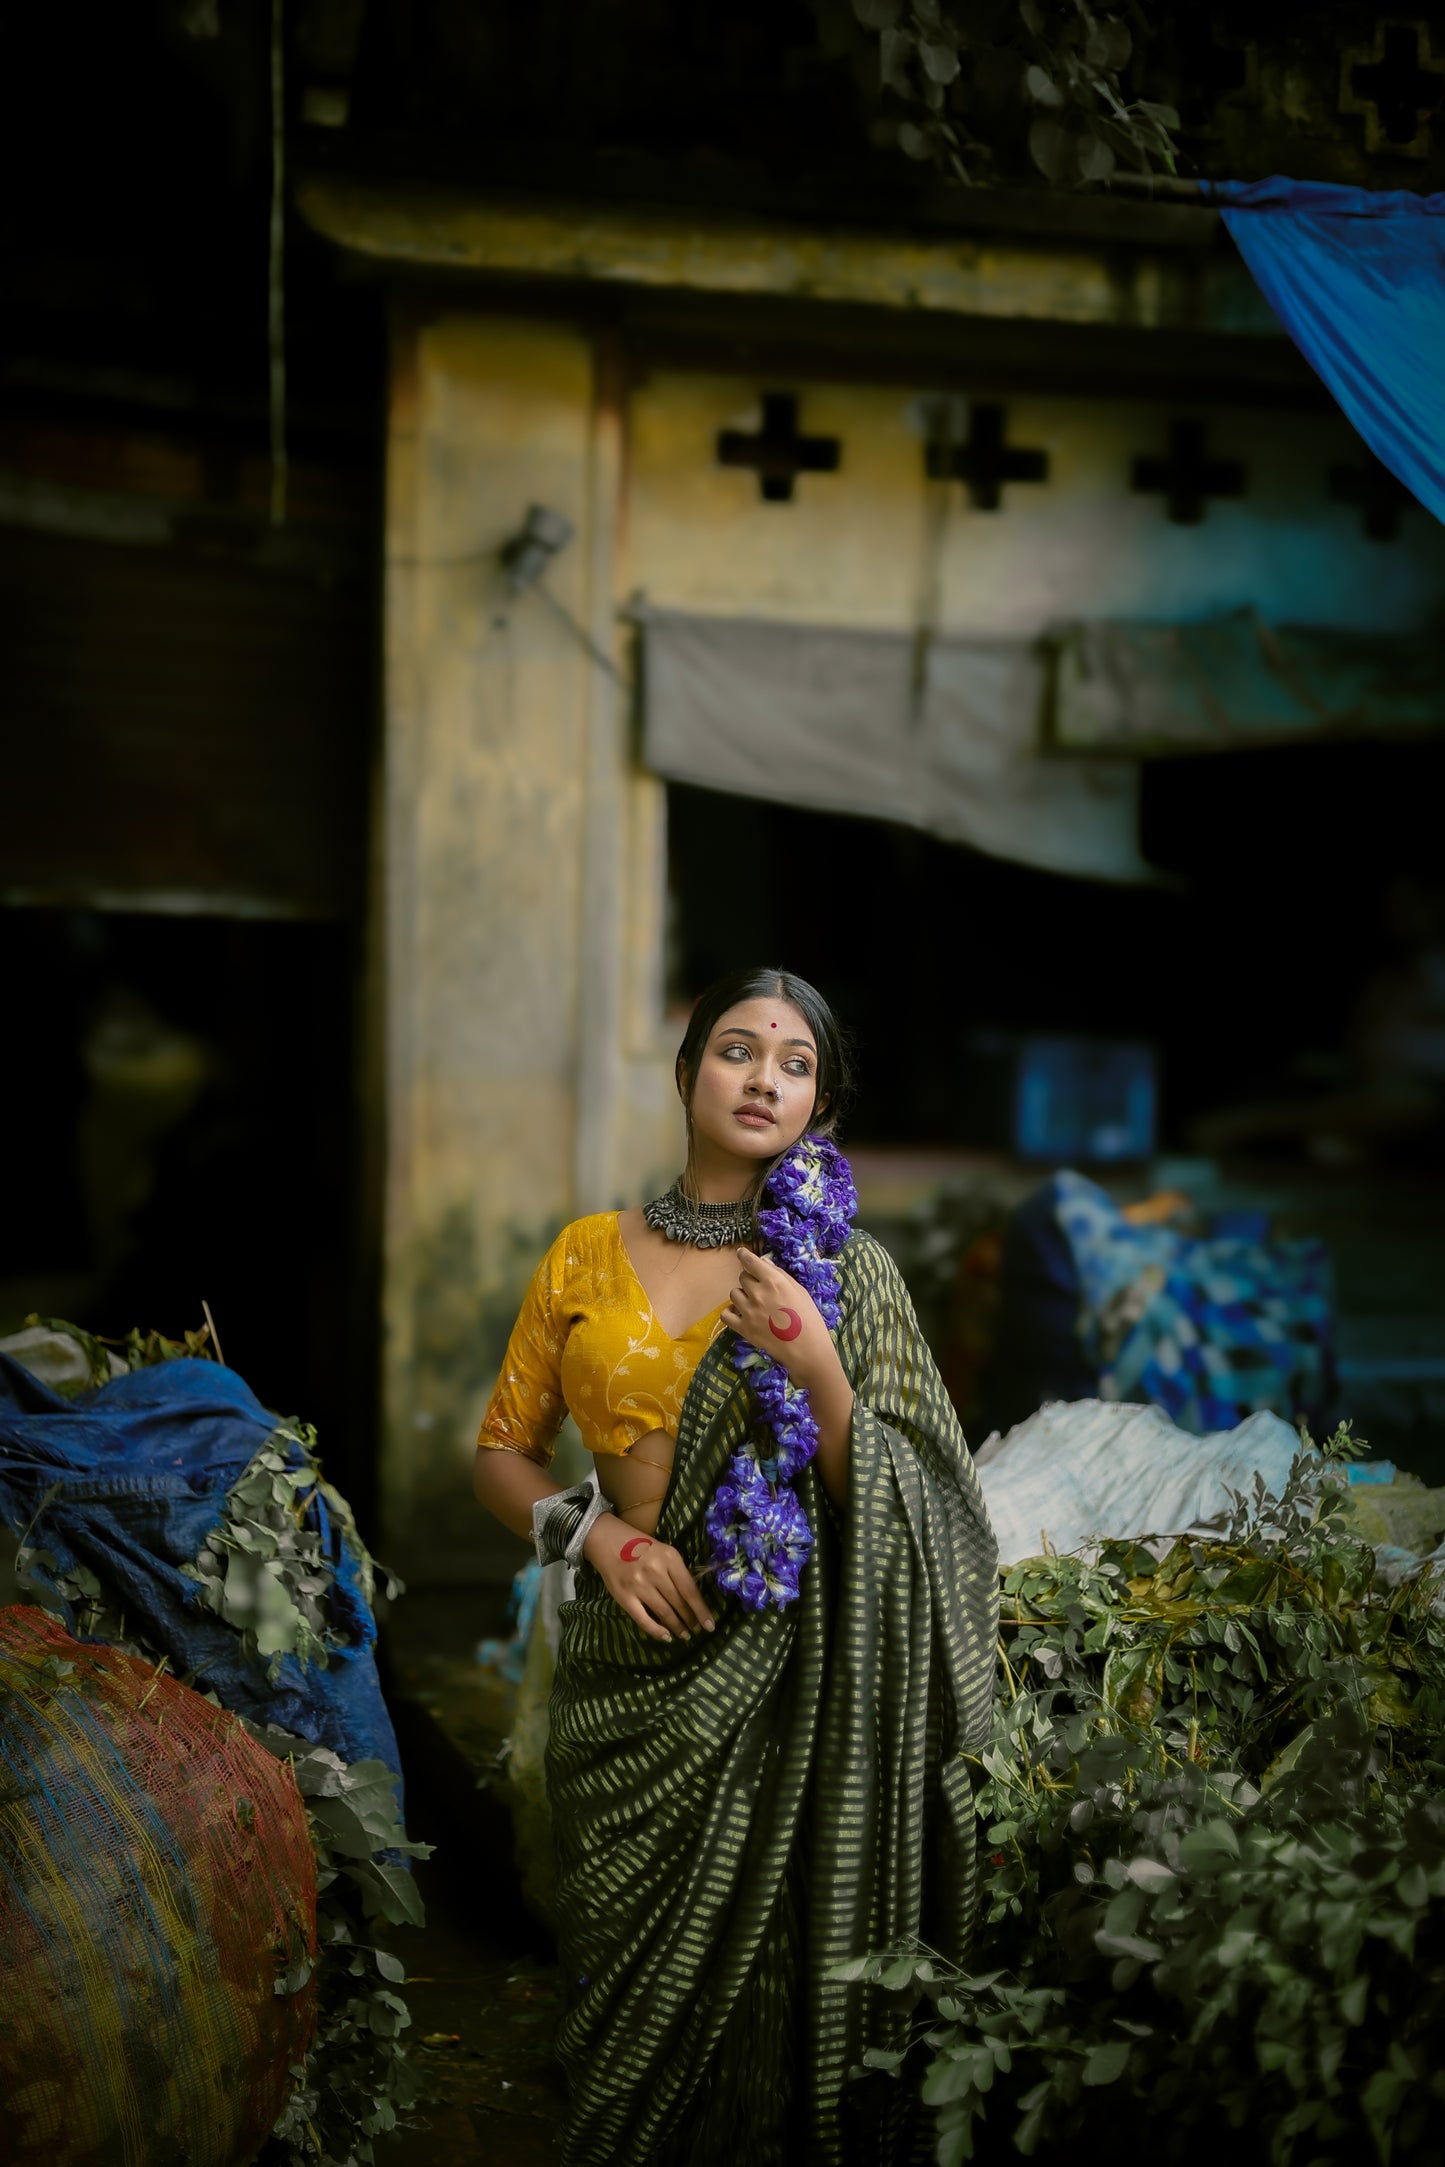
357, 2081
263, 1569
1214, 1876
138, 1350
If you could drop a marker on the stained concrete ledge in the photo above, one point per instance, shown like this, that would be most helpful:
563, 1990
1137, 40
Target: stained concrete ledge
1078, 278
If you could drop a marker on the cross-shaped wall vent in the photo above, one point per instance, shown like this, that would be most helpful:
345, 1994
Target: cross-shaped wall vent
1398, 86
1379, 494
779, 452
1213, 70
984, 461
1187, 478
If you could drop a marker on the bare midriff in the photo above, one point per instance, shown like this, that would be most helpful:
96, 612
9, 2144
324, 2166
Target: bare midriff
636, 1481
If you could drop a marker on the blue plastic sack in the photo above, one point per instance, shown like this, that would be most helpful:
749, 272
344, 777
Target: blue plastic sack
140, 1468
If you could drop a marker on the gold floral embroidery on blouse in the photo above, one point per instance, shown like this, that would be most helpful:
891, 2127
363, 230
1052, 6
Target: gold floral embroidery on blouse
586, 1343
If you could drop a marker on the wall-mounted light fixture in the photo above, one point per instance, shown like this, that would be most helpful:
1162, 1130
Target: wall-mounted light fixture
544, 533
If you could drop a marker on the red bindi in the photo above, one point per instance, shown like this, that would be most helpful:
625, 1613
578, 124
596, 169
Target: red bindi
772, 1027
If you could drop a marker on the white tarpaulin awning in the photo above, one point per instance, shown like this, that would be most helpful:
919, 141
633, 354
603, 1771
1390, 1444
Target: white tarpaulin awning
946, 737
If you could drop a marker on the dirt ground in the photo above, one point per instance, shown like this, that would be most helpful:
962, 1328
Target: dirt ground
481, 1978
480, 2036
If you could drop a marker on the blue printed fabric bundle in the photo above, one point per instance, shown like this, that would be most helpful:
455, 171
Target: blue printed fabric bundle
1211, 1331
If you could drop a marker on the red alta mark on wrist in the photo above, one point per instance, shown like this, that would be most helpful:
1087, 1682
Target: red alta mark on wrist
631, 1547
791, 1329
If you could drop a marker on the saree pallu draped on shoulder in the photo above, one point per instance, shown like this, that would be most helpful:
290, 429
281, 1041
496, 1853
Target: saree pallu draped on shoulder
735, 1813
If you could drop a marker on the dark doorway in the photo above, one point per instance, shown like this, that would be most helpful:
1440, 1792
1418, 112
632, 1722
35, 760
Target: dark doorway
1252, 968
181, 1116
920, 945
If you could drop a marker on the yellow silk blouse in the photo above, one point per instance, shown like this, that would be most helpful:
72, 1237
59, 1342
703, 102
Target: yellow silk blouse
586, 1343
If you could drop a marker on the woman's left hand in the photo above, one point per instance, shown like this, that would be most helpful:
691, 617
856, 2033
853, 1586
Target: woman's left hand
773, 1313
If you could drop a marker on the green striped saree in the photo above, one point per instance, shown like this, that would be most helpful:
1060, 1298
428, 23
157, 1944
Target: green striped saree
735, 1813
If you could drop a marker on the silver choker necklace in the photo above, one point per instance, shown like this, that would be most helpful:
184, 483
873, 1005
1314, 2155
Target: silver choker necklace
706, 1226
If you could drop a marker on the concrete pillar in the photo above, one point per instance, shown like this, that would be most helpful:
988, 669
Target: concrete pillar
503, 898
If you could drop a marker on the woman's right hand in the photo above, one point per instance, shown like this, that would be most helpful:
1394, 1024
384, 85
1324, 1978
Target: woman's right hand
653, 1585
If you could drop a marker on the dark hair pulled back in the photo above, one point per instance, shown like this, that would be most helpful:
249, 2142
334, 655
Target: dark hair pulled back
835, 1068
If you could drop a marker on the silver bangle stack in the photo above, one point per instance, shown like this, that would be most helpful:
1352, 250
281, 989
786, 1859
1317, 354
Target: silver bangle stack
562, 1522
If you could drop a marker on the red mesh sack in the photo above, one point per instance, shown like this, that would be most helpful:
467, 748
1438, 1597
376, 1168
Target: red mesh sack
157, 1914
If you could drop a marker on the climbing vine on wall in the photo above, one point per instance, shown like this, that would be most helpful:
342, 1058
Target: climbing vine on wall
972, 78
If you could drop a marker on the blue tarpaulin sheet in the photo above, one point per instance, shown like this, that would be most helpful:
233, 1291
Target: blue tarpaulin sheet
141, 1467
1358, 281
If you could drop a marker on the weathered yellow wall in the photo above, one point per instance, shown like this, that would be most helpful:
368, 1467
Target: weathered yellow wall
877, 545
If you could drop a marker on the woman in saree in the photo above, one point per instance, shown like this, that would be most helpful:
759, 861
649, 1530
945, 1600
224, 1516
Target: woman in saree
780, 1652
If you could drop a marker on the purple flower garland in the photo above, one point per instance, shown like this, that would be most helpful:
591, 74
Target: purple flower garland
760, 1535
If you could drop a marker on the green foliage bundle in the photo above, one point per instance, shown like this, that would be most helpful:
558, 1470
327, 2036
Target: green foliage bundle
975, 73
1214, 1883
264, 1570
357, 2081
138, 1350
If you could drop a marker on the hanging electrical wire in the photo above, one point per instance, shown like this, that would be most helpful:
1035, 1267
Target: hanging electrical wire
276, 298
